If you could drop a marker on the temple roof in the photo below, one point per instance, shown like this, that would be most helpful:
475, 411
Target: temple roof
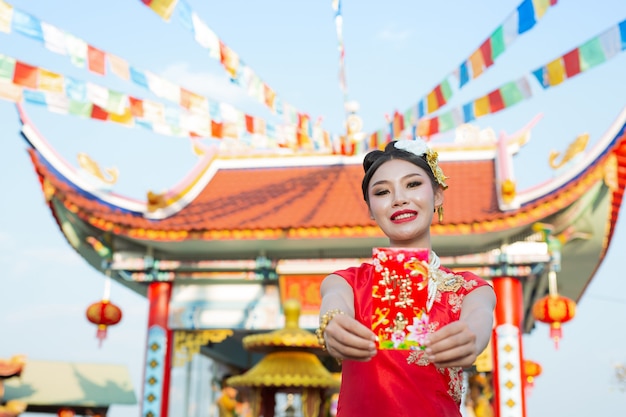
323, 196
295, 198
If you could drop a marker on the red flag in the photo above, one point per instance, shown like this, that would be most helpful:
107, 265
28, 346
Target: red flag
485, 49
572, 63
434, 126
496, 103
99, 113
441, 100
25, 75
136, 106
223, 52
249, 123
217, 129
95, 60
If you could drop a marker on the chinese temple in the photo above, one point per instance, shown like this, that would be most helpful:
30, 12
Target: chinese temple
218, 255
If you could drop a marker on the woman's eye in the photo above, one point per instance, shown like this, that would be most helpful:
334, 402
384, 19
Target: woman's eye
381, 192
414, 184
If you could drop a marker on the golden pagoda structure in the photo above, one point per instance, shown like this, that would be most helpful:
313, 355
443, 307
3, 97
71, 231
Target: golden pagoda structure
289, 367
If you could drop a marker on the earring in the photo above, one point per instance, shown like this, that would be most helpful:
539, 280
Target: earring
440, 213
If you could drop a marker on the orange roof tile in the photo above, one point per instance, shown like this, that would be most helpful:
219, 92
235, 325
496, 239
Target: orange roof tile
286, 198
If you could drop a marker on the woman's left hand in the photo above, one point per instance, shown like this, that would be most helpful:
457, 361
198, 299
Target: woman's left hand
452, 345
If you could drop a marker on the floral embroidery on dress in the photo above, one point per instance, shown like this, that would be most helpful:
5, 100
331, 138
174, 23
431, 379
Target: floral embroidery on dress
455, 382
451, 289
433, 326
469, 284
455, 386
418, 357
456, 301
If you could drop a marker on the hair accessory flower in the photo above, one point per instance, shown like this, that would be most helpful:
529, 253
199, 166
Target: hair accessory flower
419, 147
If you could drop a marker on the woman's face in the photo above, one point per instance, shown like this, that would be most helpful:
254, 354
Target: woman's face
402, 201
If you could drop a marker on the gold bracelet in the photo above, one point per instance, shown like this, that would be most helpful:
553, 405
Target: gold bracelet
324, 320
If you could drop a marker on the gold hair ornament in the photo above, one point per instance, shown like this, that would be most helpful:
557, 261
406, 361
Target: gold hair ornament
420, 148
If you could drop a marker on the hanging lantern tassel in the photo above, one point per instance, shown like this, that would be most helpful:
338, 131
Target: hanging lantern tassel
556, 333
103, 314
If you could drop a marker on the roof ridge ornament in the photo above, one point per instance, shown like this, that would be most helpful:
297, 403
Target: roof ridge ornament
108, 176
576, 147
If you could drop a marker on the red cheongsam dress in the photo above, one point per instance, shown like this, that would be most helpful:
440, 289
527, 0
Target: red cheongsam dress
403, 383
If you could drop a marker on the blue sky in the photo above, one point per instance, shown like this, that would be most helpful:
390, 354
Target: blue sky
396, 51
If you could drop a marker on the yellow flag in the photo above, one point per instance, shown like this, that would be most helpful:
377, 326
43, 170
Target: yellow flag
49, 81
541, 6
477, 62
6, 15
423, 127
481, 106
556, 72
126, 118
431, 102
163, 8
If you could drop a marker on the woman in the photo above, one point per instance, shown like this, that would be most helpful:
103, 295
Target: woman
403, 187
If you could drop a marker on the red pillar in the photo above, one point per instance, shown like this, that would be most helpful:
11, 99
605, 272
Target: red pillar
507, 348
157, 368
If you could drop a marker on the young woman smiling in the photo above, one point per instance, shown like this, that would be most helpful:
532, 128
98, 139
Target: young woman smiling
403, 186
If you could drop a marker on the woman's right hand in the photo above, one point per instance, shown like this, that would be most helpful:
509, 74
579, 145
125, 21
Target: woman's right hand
346, 338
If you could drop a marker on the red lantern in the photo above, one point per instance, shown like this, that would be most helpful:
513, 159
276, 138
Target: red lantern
531, 371
554, 310
103, 314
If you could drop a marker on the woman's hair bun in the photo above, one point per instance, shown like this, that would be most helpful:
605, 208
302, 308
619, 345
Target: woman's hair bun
370, 158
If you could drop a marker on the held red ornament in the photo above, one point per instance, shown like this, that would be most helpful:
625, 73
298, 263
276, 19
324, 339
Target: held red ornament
400, 297
103, 314
554, 310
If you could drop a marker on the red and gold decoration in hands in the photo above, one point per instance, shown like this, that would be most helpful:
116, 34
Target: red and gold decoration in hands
399, 297
554, 309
